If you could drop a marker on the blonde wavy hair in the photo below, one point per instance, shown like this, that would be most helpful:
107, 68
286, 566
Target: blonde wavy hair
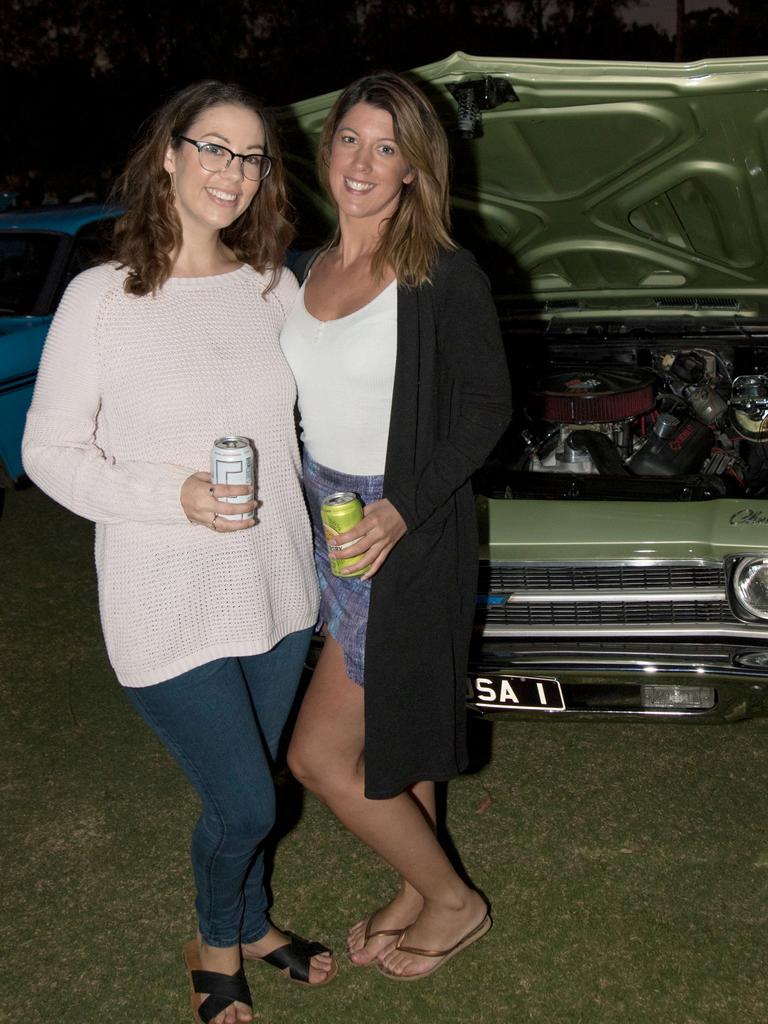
149, 231
420, 227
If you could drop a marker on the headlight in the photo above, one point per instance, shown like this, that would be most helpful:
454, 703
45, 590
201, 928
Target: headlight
750, 586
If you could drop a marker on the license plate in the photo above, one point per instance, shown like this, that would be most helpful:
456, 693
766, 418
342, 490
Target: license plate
515, 693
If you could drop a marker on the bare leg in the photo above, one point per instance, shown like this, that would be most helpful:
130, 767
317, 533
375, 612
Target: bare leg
326, 755
403, 908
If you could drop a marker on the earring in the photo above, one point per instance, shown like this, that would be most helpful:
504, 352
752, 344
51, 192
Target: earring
171, 188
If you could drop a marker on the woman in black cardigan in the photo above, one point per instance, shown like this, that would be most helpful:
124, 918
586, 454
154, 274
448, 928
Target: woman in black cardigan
384, 716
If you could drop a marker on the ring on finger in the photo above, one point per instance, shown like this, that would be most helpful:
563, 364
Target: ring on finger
213, 522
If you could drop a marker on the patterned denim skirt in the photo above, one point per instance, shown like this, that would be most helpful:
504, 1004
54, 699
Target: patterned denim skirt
343, 601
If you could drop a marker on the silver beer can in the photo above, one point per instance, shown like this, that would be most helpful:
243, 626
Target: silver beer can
232, 463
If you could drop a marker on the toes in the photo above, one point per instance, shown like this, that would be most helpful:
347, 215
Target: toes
359, 953
406, 966
376, 948
220, 1018
388, 966
362, 957
320, 966
394, 962
356, 936
391, 961
235, 1013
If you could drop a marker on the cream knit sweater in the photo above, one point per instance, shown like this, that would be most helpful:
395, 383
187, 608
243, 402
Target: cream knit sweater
130, 395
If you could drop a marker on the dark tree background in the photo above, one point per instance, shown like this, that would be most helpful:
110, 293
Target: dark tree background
78, 78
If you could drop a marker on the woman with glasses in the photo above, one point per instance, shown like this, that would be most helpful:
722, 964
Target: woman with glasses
207, 619
403, 391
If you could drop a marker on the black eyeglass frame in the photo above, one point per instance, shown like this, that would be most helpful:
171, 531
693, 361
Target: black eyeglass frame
264, 160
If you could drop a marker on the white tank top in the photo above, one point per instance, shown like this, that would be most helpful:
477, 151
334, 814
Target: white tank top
345, 372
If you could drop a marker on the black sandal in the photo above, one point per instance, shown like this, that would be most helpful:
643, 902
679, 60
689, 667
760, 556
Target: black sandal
222, 989
296, 955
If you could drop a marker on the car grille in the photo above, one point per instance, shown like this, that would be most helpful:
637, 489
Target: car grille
501, 578
595, 613
611, 596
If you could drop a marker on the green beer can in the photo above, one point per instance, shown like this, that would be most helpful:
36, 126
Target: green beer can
340, 512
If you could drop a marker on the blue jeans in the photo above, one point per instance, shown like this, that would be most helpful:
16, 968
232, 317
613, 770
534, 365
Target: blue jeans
222, 723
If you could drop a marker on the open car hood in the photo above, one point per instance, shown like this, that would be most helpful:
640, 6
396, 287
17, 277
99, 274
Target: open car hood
595, 186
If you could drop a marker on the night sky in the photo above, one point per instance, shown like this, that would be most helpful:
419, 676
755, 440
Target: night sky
663, 12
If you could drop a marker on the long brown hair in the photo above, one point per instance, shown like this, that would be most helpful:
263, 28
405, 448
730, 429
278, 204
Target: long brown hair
414, 235
150, 230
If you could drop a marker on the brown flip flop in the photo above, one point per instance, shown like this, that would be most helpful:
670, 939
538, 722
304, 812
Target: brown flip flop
444, 954
372, 935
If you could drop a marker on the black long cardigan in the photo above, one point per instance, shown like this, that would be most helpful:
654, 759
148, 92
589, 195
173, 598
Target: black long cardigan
450, 404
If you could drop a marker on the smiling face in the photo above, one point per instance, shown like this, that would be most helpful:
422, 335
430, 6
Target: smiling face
212, 200
366, 169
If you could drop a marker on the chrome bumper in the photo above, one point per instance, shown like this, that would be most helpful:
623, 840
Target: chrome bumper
606, 678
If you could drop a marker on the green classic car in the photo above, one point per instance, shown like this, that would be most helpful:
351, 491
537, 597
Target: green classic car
621, 212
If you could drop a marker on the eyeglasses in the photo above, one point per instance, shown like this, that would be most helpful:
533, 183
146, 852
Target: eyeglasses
214, 157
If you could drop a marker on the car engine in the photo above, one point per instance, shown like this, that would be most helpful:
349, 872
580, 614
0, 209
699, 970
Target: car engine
657, 422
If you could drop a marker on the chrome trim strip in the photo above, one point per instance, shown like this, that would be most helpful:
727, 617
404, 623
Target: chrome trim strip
716, 661
604, 712
604, 596
632, 563
503, 631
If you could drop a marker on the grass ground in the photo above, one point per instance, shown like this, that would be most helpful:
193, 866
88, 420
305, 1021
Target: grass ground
627, 864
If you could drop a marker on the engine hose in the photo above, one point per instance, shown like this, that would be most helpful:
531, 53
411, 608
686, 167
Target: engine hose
601, 448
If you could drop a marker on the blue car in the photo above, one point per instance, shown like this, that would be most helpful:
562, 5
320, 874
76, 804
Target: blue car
40, 252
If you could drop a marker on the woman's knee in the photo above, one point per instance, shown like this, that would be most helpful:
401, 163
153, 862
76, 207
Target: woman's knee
302, 764
324, 775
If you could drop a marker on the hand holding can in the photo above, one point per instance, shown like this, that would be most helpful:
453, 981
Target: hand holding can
340, 512
373, 538
232, 462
